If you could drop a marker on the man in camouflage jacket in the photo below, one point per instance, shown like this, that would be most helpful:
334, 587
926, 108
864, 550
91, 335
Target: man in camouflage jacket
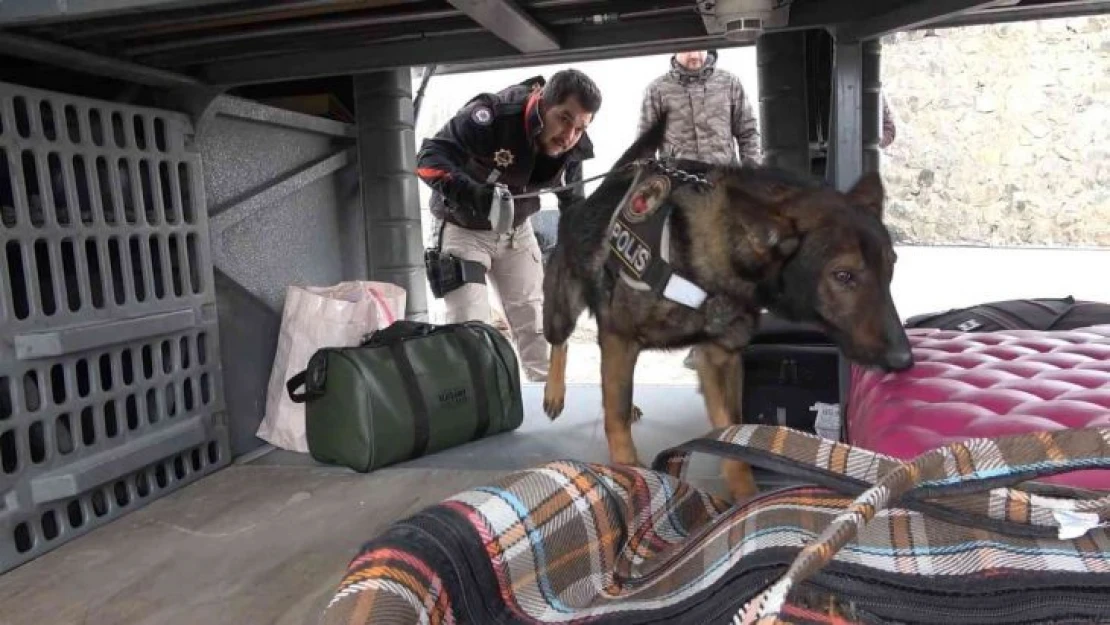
708, 113
708, 116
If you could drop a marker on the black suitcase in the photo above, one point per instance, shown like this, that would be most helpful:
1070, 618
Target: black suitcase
791, 370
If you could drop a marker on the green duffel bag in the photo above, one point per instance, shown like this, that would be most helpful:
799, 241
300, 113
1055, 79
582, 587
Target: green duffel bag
408, 390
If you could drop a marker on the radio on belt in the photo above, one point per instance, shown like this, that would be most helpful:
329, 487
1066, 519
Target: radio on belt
502, 210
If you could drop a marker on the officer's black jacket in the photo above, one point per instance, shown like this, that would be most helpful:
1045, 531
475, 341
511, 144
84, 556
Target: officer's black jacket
496, 131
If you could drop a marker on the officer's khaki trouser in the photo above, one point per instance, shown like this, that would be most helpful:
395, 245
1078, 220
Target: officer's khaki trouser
514, 269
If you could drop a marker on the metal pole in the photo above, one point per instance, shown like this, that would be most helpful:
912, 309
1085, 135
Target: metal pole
846, 145
389, 188
781, 60
872, 105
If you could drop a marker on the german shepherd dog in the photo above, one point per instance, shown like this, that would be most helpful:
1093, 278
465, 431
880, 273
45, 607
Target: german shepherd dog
753, 238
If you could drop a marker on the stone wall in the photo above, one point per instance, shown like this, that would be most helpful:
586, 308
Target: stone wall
1003, 134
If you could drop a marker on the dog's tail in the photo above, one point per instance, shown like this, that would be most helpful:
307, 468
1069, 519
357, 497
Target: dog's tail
647, 144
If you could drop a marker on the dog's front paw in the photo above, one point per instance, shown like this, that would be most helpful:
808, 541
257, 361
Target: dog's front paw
554, 398
739, 479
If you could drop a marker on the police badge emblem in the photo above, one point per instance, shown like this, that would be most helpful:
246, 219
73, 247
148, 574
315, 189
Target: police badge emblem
482, 116
646, 198
503, 158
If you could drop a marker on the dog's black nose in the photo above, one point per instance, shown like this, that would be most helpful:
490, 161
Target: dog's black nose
898, 359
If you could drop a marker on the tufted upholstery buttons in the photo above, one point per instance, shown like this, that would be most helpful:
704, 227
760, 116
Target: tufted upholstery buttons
969, 385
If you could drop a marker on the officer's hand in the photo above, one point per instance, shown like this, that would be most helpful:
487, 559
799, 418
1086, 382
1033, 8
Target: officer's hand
482, 200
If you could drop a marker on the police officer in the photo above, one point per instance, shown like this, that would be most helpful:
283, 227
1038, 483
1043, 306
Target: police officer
526, 139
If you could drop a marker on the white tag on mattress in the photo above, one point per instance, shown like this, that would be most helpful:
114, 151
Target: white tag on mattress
1075, 524
827, 423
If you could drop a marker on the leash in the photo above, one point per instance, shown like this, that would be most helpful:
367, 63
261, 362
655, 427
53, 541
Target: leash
571, 185
671, 171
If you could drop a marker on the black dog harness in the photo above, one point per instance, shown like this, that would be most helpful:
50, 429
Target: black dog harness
640, 238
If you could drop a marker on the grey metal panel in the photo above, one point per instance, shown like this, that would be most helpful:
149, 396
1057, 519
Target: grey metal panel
249, 331
280, 188
284, 211
106, 293
247, 110
296, 240
243, 157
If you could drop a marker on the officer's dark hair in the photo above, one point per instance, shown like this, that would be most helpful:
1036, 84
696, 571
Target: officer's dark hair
572, 83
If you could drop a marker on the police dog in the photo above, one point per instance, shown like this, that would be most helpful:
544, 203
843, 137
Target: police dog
750, 238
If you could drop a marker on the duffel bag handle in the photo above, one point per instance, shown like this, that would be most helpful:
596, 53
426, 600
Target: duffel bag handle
398, 331
313, 378
404, 329
294, 382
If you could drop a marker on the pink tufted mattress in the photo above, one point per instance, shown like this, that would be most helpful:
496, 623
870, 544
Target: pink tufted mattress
970, 385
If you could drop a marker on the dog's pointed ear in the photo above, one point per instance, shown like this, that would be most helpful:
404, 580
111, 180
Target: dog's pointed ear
868, 193
769, 235
775, 239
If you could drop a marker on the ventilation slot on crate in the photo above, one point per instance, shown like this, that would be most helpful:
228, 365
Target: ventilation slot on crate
105, 502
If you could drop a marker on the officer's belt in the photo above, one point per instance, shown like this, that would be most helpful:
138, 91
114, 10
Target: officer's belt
640, 242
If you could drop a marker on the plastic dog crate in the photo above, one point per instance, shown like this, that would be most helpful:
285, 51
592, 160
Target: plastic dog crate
110, 384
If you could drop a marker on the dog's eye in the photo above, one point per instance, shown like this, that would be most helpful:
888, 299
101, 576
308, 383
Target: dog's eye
844, 277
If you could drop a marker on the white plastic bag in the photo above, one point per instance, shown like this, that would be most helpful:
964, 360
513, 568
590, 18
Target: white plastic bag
315, 317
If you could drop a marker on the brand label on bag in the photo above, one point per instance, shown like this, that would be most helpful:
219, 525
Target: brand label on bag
453, 397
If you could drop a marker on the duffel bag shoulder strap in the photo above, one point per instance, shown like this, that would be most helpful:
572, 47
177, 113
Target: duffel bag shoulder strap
392, 338
1083, 315
1017, 314
1034, 314
973, 466
471, 348
853, 471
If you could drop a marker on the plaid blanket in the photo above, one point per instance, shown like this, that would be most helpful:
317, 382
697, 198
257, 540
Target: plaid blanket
960, 535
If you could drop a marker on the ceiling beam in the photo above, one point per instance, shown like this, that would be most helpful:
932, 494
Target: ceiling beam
308, 26
1027, 11
806, 14
593, 54
583, 42
908, 17
24, 12
509, 23
354, 59
41, 51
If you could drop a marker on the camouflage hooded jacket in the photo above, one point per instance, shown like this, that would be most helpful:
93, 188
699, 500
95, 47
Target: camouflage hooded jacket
707, 110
